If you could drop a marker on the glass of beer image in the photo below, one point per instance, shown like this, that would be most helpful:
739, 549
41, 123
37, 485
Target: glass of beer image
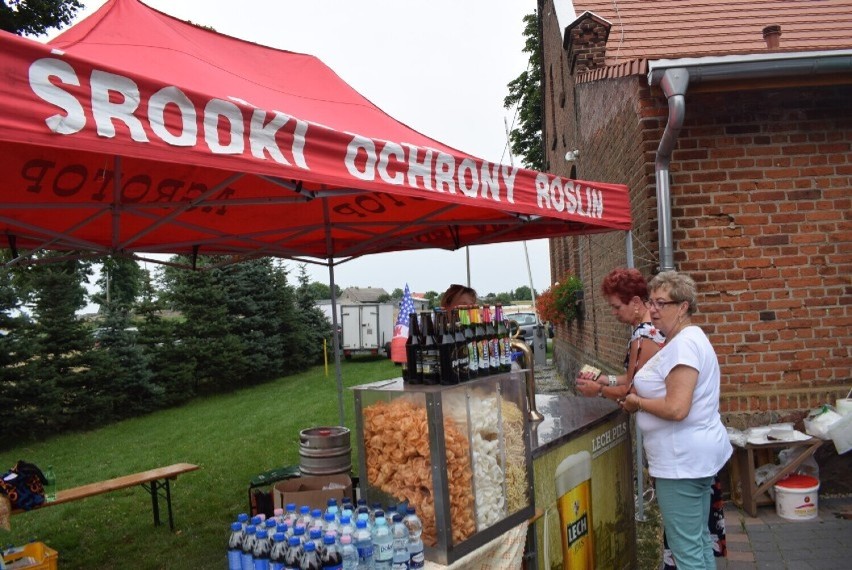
574, 503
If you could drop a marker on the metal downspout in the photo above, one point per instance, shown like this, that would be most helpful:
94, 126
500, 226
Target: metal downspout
674, 83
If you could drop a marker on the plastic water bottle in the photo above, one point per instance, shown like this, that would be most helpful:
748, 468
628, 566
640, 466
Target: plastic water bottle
248, 547
50, 487
243, 519
382, 543
348, 553
364, 544
293, 561
400, 543
316, 538
310, 559
331, 558
304, 516
299, 532
331, 524
278, 554
278, 515
290, 514
235, 547
316, 519
332, 508
284, 528
346, 526
416, 559
271, 528
261, 551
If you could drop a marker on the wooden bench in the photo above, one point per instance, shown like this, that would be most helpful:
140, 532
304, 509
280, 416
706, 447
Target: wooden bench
154, 481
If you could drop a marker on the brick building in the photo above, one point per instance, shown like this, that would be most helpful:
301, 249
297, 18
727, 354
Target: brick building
737, 118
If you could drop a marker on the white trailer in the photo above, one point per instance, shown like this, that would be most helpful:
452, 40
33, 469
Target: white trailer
366, 328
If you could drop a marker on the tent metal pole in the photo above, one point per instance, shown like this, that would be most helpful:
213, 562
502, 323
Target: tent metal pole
335, 343
640, 459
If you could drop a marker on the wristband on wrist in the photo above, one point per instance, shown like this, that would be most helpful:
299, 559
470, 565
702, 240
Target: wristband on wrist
613, 381
639, 404
600, 392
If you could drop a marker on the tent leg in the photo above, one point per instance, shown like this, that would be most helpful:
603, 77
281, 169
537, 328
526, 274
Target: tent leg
335, 344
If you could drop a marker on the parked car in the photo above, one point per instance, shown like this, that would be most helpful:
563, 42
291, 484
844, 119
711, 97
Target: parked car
526, 322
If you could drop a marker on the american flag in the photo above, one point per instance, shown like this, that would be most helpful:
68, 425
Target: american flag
406, 306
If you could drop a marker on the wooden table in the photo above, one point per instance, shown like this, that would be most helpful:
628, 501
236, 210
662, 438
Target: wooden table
744, 491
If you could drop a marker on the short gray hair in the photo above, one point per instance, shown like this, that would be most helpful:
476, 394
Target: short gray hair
680, 286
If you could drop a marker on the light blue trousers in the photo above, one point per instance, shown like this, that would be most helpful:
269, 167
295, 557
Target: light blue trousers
685, 506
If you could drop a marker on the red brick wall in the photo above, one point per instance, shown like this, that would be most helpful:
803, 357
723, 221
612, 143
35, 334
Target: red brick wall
761, 195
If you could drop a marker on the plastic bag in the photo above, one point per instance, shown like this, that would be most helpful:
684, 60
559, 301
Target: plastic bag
808, 467
820, 420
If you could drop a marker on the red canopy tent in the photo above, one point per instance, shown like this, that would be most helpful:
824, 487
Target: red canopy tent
135, 132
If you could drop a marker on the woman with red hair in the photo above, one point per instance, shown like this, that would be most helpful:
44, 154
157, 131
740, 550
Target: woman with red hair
626, 292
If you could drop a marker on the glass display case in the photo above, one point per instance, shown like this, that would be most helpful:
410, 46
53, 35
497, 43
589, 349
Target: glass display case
460, 454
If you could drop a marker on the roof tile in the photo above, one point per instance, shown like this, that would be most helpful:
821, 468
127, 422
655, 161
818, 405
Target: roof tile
656, 29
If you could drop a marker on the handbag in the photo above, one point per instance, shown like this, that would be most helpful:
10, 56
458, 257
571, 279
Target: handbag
23, 485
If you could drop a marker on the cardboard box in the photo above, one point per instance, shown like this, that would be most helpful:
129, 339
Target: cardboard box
314, 490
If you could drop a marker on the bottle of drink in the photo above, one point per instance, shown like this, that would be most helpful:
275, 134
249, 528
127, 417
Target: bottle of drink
271, 528
331, 507
364, 544
315, 536
382, 543
50, 486
310, 558
431, 357
248, 547
299, 532
447, 350
493, 341
414, 351
481, 343
235, 547
243, 519
346, 526
331, 525
460, 356
278, 515
261, 551
348, 553
290, 514
316, 518
416, 559
293, 560
331, 558
504, 342
400, 543
278, 554
305, 518
470, 339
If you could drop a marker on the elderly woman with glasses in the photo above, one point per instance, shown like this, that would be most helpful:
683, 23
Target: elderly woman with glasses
626, 292
677, 401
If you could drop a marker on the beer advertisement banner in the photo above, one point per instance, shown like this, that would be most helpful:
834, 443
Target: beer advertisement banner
585, 490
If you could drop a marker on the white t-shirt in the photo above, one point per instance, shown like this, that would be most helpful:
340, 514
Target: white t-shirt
698, 445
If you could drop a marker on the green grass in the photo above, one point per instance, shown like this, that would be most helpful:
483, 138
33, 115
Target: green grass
231, 437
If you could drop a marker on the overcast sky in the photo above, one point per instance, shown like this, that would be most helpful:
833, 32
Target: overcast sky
440, 66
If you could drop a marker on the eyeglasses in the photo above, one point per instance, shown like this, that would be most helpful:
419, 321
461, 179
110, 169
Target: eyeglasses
657, 304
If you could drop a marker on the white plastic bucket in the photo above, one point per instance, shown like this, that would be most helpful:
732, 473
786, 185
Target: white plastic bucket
796, 497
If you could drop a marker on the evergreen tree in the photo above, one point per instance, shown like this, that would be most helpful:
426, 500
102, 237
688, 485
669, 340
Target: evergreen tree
16, 401
205, 329
64, 373
317, 325
525, 91
120, 358
171, 368
252, 300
